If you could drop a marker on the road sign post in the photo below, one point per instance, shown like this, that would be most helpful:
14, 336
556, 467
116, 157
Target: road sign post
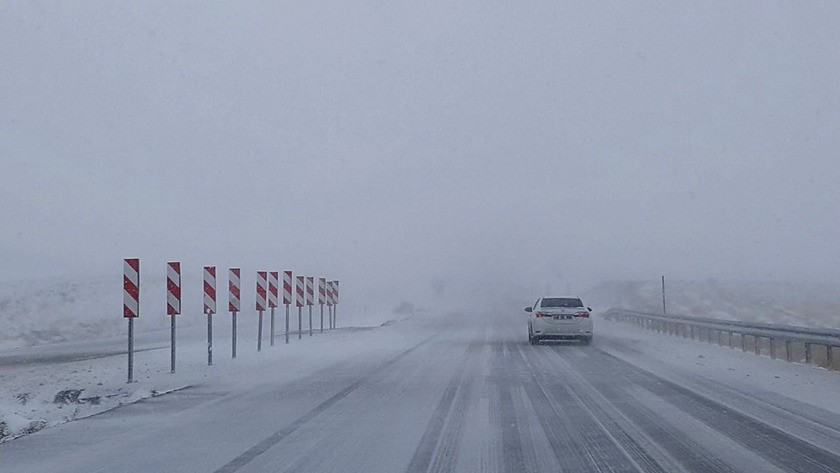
322, 294
329, 297
310, 296
173, 304
287, 297
272, 298
262, 287
299, 301
335, 304
209, 307
131, 305
234, 305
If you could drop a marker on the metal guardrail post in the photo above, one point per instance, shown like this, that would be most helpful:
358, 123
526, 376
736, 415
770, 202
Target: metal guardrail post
686, 327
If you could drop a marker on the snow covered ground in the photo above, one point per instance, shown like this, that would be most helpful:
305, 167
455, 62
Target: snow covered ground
63, 350
687, 361
466, 393
62, 345
48, 385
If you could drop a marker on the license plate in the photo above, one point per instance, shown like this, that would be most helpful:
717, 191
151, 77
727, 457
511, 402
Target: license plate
562, 317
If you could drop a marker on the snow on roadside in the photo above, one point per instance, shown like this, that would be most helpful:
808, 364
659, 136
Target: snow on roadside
686, 360
35, 395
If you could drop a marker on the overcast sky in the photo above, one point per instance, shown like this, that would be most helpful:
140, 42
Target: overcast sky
402, 143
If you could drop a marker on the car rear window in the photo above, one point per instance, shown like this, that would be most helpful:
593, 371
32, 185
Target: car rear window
561, 302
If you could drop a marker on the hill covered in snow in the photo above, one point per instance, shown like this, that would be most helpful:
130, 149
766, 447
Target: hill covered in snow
805, 304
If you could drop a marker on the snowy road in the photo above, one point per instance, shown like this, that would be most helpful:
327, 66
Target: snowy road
468, 395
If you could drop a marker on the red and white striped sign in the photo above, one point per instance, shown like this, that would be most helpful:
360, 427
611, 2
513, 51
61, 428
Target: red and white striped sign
287, 287
234, 283
262, 287
299, 301
273, 277
322, 291
173, 288
209, 289
329, 293
335, 292
310, 290
131, 287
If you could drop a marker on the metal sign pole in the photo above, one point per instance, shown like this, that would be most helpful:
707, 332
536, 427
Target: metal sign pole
273, 283
209, 307
664, 312
172, 354
259, 332
234, 304
209, 338
287, 323
131, 305
130, 349
173, 303
262, 291
310, 320
322, 318
233, 335
300, 300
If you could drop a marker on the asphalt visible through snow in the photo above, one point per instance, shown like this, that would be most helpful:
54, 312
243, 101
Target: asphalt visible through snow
466, 396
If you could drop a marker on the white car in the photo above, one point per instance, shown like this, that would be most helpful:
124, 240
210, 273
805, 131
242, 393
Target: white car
559, 318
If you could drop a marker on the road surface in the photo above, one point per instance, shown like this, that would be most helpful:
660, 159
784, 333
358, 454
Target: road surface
464, 394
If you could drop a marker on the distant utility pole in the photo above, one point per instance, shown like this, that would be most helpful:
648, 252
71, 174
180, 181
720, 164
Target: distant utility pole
664, 312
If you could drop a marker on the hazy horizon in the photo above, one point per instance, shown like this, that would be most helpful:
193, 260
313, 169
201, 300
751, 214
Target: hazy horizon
480, 145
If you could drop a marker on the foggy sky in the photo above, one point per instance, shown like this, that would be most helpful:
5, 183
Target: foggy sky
392, 144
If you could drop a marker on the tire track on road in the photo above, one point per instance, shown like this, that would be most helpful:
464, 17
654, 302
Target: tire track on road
438, 445
783, 450
643, 451
578, 442
504, 379
614, 384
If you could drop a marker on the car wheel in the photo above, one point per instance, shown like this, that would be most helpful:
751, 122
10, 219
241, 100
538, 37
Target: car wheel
586, 341
534, 340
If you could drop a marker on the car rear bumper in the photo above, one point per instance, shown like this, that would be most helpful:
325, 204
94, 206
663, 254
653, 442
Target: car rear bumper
563, 336
562, 331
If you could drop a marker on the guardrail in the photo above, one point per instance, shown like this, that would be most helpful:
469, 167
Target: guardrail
798, 342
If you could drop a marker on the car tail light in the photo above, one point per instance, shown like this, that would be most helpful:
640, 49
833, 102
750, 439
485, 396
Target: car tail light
582, 313
541, 314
